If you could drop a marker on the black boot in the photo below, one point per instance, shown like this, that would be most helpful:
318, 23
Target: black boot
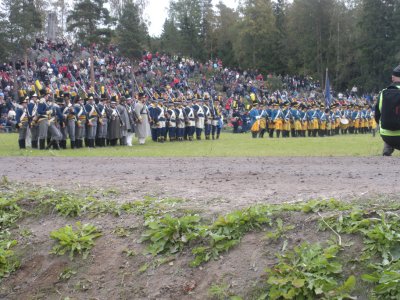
56, 145
42, 144
21, 144
72, 144
64, 144
34, 144
278, 133
49, 143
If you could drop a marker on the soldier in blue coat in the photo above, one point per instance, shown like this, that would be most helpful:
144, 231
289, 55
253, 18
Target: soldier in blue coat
171, 121
159, 117
81, 119
153, 119
43, 122
62, 122
103, 122
180, 121
190, 121
92, 119
32, 117
216, 123
22, 122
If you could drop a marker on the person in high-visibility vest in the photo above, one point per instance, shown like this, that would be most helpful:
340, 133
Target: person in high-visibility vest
387, 113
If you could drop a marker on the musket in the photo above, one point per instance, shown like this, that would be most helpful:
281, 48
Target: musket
79, 85
119, 117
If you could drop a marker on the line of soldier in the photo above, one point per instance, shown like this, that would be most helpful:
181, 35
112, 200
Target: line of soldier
298, 119
102, 122
185, 119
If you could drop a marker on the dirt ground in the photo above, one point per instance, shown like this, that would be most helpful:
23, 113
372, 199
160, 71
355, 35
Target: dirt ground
218, 183
212, 185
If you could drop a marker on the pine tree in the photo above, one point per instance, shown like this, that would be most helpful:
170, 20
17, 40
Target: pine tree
90, 21
170, 37
131, 33
22, 22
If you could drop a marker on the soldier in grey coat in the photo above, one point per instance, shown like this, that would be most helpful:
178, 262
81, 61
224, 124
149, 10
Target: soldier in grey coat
125, 122
103, 121
114, 122
143, 125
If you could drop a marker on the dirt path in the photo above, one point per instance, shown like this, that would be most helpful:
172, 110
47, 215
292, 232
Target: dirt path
219, 183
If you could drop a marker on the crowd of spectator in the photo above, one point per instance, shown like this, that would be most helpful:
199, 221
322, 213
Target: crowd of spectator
65, 66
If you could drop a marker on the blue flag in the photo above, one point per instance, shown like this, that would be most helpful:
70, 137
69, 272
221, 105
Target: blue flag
327, 91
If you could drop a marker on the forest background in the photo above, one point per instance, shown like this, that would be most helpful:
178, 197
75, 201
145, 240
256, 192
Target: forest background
357, 40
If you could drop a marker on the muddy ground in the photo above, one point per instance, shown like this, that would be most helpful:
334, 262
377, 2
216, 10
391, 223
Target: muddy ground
212, 185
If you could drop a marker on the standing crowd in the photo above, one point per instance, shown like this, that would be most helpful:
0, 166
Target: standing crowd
165, 97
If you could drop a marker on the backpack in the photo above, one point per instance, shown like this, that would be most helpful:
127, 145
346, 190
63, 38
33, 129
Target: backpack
390, 108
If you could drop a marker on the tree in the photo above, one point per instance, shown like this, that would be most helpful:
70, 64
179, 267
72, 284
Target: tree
225, 32
22, 21
310, 36
131, 34
118, 6
279, 42
187, 18
377, 27
90, 21
170, 37
256, 29
207, 28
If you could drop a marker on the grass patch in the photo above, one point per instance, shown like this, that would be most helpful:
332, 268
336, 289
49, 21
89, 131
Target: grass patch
231, 145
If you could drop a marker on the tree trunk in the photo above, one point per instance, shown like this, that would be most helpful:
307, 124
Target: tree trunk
14, 75
133, 84
254, 53
26, 63
92, 66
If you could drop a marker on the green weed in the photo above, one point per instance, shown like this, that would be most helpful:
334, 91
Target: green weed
308, 272
324, 205
219, 291
78, 241
387, 280
8, 260
227, 231
169, 234
280, 230
66, 274
9, 212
